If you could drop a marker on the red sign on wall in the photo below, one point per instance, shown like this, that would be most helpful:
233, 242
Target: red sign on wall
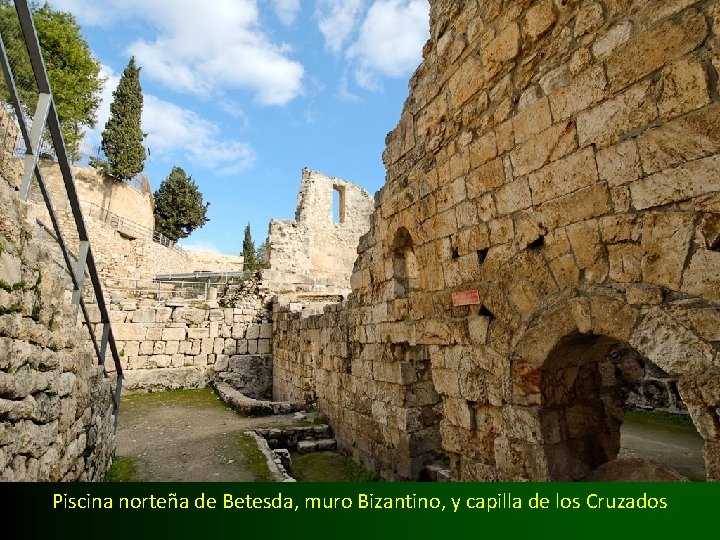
466, 298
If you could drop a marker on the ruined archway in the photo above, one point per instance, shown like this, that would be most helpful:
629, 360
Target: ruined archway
571, 383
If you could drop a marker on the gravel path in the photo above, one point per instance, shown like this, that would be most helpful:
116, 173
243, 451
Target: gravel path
187, 435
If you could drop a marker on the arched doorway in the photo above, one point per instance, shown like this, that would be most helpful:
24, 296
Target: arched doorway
586, 384
572, 374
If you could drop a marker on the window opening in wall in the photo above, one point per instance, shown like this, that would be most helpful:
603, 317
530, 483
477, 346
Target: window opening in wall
338, 204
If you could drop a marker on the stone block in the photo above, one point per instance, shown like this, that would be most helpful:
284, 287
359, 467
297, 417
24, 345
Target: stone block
701, 277
513, 196
539, 19
198, 333
174, 334
172, 347
146, 347
266, 330
550, 145
533, 120
214, 329
564, 176
613, 119
665, 243
264, 346
671, 346
619, 164
585, 90
143, 315
154, 333
129, 331
253, 331
609, 41
304, 447
651, 50
684, 88
504, 48
483, 149
685, 139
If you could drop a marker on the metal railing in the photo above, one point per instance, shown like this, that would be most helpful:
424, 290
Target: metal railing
157, 288
120, 223
46, 117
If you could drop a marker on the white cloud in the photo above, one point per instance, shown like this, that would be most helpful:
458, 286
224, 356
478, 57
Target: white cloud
86, 11
390, 40
103, 112
337, 19
172, 129
204, 48
286, 11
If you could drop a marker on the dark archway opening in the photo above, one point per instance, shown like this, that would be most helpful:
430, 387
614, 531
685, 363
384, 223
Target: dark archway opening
588, 384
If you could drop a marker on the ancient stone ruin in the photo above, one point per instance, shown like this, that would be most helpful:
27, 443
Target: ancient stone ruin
561, 159
315, 252
545, 252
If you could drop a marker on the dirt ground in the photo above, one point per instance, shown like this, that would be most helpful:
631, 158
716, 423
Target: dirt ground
190, 435
187, 435
672, 443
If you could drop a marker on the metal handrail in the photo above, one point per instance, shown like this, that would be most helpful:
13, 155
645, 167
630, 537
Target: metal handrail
121, 223
46, 116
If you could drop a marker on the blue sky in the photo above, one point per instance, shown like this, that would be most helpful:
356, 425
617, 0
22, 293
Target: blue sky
243, 94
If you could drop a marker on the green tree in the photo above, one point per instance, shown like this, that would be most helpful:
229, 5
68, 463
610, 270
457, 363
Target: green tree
250, 262
73, 71
122, 138
179, 208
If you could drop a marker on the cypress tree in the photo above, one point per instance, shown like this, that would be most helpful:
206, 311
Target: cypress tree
250, 262
179, 208
122, 139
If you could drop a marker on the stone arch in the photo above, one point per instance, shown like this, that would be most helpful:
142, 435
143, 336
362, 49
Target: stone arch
571, 373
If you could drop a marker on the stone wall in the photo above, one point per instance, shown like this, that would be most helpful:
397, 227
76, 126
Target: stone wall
55, 403
9, 132
379, 396
201, 261
104, 193
313, 253
560, 161
175, 343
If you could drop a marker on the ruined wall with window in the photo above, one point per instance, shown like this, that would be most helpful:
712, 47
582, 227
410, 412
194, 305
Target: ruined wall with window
315, 251
561, 158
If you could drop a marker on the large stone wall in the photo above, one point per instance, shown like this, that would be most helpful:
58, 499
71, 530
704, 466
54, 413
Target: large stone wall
55, 402
175, 343
313, 253
562, 160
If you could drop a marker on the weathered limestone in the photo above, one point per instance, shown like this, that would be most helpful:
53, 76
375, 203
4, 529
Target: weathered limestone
55, 401
561, 159
313, 253
169, 344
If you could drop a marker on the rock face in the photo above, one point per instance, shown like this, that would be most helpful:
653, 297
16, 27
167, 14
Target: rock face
55, 402
315, 252
562, 160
